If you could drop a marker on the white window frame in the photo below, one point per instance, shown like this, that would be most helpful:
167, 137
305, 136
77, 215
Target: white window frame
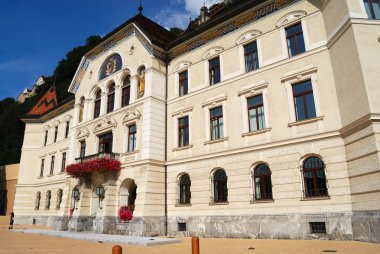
249, 91
215, 102
175, 117
298, 76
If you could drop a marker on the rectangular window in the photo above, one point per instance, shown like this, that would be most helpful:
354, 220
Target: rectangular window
63, 165
318, 227
42, 167
183, 83
55, 134
182, 226
304, 100
256, 115
372, 7
67, 129
52, 165
46, 138
183, 131
251, 57
105, 143
125, 95
216, 123
82, 152
132, 134
214, 71
295, 40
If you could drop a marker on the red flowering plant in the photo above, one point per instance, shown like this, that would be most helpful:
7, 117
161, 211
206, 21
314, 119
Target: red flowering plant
99, 165
125, 213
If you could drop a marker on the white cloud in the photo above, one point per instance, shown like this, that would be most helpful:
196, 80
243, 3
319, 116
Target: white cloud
169, 18
176, 18
194, 6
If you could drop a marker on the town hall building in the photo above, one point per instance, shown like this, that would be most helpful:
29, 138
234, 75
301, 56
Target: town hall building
260, 120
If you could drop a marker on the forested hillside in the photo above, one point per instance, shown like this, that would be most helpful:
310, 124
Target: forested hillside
11, 127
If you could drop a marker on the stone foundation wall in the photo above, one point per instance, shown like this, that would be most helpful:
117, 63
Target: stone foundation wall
366, 226
292, 226
139, 226
361, 226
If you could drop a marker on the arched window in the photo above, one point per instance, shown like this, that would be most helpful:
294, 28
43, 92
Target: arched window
126, 91
81, 109
314, 177
184, 189
59, 199
141, 82
111, 98
37, 201
220, 186
47, 200
98, 100
262, 183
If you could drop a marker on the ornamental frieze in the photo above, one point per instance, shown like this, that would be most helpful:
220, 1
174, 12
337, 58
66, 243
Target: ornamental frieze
236, 23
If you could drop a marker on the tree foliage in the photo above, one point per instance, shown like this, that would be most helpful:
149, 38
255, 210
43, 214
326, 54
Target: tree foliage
11, 127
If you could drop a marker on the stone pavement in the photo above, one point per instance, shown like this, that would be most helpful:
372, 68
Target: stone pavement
13, 242
102, 238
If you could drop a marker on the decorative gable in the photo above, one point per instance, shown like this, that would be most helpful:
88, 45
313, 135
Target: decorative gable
105, 125
82, 133
290, 17
131, 116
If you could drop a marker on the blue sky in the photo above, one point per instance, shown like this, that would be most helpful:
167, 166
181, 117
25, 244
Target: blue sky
36, 34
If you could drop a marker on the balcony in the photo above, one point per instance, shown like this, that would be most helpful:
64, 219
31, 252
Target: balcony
112, 156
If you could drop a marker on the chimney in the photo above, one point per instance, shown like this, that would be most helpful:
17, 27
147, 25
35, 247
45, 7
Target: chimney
204, 15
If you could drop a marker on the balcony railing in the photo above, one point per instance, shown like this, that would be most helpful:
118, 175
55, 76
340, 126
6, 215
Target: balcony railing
113, 156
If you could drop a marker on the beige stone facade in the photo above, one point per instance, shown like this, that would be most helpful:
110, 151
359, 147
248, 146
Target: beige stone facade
8, 181
340, 62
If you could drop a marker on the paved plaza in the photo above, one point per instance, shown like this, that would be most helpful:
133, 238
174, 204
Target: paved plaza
21, 240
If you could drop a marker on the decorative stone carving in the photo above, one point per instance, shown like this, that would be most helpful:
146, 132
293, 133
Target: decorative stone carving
290, 17
212, 52
248, 36
131, 116
182, 65
105, 124
82, 133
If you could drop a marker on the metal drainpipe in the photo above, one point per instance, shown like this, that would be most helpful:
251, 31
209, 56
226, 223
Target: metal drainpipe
166, 144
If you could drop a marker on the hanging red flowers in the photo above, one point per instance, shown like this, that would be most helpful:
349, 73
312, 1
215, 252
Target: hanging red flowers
125, 213
99, 165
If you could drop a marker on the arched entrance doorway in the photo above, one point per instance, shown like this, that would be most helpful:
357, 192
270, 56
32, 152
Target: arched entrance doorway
127, 193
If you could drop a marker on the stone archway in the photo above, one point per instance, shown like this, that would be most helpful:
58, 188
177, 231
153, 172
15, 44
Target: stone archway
127, 193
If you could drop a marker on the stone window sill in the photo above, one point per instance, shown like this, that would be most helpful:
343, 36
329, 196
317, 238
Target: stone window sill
131, 153
312, 120
261, 201
218, 203
210, 142
252, 133
182, 148
315, 198
183, 205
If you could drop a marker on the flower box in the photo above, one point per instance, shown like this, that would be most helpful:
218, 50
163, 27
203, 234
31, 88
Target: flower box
99, 165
